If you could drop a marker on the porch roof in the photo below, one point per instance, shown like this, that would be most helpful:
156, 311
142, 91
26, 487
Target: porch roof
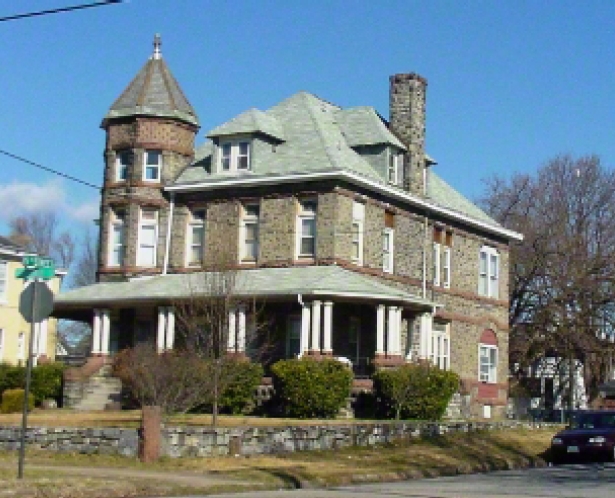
309, 281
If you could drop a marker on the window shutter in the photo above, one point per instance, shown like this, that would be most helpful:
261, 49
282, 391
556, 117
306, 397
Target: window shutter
389, 219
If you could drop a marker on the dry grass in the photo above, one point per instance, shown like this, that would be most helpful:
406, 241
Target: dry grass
451, 454
131, 418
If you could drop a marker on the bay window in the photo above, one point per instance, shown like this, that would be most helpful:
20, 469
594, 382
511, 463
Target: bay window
117, 239
153, 166
306, 229
250, 226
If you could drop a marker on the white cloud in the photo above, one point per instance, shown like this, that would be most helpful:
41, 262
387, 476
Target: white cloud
20, 198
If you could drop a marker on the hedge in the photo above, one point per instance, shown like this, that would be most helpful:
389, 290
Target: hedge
46, 380
309, 388
12, 401
414, 391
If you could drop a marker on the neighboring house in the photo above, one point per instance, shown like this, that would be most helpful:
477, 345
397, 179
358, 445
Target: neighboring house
14, 330
341, 230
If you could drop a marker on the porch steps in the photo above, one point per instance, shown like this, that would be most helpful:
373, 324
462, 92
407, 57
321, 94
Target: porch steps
100, 390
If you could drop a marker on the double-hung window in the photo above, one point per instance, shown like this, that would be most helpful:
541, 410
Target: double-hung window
489, 272
153, 166
358, 217
488, 363
251, 215
235, 156
122, 162
4, 280
442, 250
148, 237
306, 229
116, 251
196, 238
441, 345
21, 346
388, 242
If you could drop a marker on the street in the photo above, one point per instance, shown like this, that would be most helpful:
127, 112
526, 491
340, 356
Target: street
570, 481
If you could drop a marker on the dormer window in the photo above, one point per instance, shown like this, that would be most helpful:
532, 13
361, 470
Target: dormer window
235, 156
393, 169
153, 165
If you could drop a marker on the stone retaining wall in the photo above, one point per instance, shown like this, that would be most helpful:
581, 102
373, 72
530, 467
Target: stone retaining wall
204, 441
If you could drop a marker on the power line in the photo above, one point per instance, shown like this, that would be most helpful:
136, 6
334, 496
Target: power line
59, 10
45, 168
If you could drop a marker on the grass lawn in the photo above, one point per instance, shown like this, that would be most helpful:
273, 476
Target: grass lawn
445, 455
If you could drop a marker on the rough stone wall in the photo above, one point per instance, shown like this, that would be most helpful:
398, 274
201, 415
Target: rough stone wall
222, 233
409, 237
180, 442
343, 227
277, 232
327, 226
407, 99
372, 240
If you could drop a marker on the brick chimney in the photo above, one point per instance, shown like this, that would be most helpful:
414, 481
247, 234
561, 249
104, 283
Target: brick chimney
407, 121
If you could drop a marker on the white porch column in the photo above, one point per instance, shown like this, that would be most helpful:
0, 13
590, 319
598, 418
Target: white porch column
105, 333
328, 322
170, 328
315, 326
162, 325
96, 333
425, 340
42, 337
304, 343
241, 329
232, 331
391, 331
380, 329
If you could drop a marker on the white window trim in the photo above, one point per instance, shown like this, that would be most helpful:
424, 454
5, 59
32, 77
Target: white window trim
437, 268
158, 179
440, 355
234, 157
393, 168
21, 346
305, 215
195, 222
118, 167
142, 223
492, 280
447, 268
358, 218
492, 376
4, 294
387, 260
117, 221
249, 219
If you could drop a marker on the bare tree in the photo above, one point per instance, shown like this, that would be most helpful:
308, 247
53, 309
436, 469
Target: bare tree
562, 275
40, 233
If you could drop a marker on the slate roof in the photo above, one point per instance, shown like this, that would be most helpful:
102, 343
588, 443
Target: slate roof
251, 121
153, 92
319, 137
9, 244
262, 282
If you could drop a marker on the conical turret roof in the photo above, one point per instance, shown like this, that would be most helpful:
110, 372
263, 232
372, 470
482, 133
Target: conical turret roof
153, 92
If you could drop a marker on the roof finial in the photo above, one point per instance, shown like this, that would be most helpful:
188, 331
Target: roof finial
157, 44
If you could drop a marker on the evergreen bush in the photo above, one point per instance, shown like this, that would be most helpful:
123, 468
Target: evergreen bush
240, 379
414, 391
309, 388
47, 382
11, 377
12, 401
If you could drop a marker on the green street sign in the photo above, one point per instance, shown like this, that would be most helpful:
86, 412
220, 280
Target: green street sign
23, 273
30, 261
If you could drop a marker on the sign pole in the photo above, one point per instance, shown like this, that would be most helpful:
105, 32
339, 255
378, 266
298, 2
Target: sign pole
24, 418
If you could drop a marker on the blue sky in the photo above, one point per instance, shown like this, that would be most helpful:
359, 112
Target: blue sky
511, 84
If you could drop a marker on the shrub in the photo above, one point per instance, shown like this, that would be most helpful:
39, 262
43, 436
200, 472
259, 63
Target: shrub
240, 379
415, 391
12, 401
309, 388
11, 377
47, 382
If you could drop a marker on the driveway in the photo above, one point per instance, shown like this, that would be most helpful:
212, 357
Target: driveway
570, 481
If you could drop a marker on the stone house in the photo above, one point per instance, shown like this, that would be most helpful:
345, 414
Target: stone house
334, 218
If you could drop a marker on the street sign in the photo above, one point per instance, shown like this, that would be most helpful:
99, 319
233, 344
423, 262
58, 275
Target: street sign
43, 306
31, 261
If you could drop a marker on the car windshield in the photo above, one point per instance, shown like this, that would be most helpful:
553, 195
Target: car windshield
594, 421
